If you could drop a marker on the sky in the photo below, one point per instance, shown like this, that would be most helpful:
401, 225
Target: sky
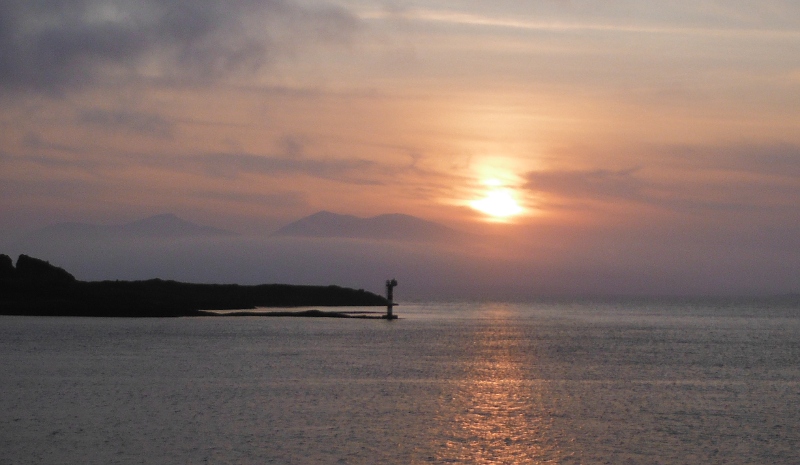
630, 147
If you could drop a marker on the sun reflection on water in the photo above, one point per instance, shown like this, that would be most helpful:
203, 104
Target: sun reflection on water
497, 413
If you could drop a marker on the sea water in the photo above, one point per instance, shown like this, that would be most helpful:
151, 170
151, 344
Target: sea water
639, 382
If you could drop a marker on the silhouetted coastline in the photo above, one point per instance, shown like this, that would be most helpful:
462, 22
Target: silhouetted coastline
36, 288
305, 313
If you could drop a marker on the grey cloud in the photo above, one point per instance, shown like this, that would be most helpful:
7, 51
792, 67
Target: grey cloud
603, 184
35, 141
148, 124
19, 190
354, 171
52, 161
57, 45
702, 190
222, 165
284, 199
292, 146
772, 159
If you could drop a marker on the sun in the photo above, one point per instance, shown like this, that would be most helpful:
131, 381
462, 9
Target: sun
498, 203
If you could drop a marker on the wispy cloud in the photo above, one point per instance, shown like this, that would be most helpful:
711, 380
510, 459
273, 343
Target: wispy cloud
696, 179
477, 20
588, 184
283, 199
35, 141
355, 171
776, 159
219, 165
56, 45
148, 124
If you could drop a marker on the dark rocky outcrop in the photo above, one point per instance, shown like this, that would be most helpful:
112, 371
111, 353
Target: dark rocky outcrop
39, 272
7, 270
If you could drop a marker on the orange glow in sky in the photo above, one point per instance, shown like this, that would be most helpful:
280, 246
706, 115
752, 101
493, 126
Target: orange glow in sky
597, 138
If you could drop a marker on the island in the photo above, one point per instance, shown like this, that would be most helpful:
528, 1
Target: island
34, 287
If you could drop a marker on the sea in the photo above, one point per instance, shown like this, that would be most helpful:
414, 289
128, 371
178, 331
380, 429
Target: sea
586, 381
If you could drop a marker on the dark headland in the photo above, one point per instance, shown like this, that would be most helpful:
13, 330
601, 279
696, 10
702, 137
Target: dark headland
35, 287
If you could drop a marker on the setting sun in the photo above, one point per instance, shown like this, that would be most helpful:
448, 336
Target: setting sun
498, 203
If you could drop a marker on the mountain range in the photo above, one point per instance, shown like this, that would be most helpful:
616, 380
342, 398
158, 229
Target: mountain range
394, 226
158, 226
323, 224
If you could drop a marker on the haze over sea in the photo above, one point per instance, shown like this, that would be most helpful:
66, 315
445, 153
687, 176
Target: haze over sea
615, 381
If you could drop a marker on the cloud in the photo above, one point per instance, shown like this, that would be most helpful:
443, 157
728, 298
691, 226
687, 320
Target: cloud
223, 165
679, 19
766, 159
595, 184
56, 45
281, 200
354, 171
35, 141
764, 178
148, 124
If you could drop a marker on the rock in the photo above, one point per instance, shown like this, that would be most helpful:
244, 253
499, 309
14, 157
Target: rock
42, 273
7, 270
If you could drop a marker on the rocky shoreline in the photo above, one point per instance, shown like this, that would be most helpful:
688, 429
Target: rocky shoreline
35, 287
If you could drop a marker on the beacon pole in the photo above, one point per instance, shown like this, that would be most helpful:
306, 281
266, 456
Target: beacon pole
390, 284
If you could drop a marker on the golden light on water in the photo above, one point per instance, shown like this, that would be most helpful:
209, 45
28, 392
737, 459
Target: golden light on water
500, 414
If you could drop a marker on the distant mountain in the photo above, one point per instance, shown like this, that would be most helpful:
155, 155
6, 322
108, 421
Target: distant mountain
163, 226
383, 227
170, 225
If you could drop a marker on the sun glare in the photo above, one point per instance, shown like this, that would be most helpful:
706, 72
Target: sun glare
498, 203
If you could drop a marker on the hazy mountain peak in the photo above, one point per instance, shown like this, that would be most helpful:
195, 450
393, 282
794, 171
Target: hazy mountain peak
163, 217
390, 226
328, 214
